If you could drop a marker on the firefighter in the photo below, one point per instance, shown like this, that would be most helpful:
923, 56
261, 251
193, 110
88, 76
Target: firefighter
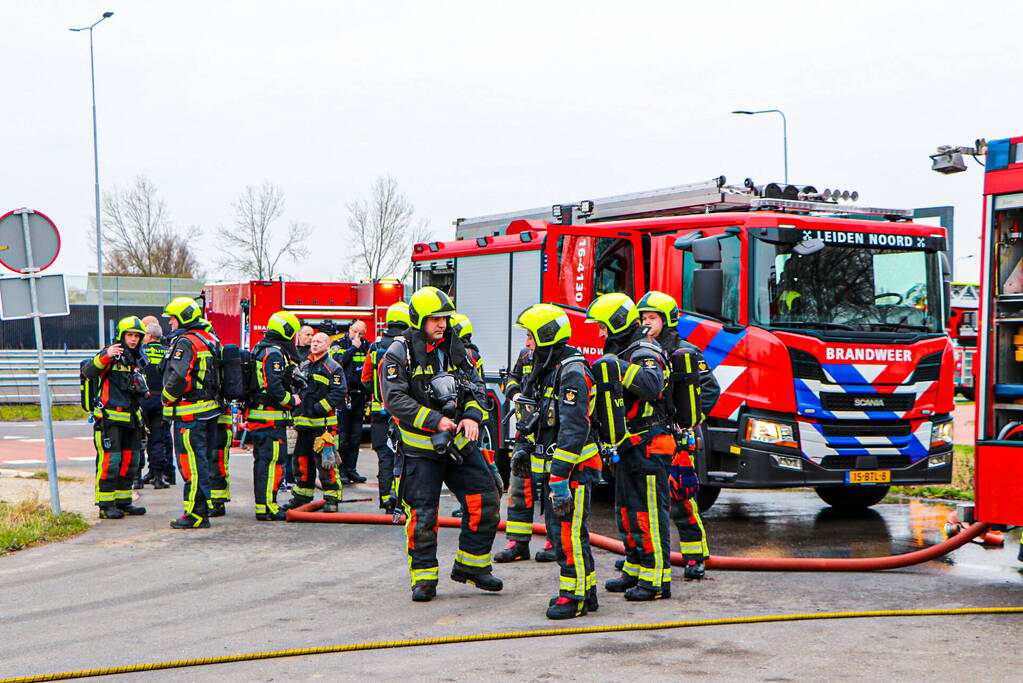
432, 389
398, 321
463, 328
191, 402
563, 389
641, 476
524, 482
116, 372
351, 354
659, 313
274, 361
316, 423
220, 452
161, 468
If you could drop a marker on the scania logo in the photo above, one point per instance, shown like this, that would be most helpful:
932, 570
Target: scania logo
868, 402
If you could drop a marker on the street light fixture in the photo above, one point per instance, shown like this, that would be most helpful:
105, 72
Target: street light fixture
95, 158
784, 132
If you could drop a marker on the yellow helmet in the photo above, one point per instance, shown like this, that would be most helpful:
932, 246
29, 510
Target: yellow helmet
548, 324
130, 324
662, 303
398, 313
185, 309
461, 325
616, 310
284, 323
427, 302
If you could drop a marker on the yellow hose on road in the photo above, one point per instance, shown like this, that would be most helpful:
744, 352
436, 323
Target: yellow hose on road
509, 635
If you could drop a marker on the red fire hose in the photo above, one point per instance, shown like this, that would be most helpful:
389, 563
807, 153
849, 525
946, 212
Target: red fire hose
307, 513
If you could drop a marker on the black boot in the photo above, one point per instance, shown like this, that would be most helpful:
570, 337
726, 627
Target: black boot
279, 516
547, 554
171, 477
515, 550
621, 584
190, 522
424, 592
137, 484
486, 582
356, 477
329, 506
694, 570
150, 477
296, 501
643, 594
620, 564
159, 482
129, 509
218, 509
591, 600
566, 608
110, 512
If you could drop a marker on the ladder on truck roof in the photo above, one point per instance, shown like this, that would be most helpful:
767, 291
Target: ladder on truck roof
705, 197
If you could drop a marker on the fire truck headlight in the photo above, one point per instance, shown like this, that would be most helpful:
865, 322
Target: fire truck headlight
769, 431
941, 434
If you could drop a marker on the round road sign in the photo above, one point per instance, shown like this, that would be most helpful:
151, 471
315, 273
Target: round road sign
44, 238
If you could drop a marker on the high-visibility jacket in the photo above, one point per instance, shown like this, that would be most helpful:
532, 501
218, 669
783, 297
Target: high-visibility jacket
191, 376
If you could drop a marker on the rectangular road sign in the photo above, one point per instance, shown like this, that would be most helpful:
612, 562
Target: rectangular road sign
16, 299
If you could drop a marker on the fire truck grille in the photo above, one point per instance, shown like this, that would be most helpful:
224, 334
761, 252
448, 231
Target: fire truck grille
848, 462
929, 369
805, 366
865, 402
857, 428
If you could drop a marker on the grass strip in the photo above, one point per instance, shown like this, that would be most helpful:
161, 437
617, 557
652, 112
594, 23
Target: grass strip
30, 522
29, 412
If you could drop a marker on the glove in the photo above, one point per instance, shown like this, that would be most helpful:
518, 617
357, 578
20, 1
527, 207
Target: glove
683, 483
520, 463
497, 478
323, 440
561, 498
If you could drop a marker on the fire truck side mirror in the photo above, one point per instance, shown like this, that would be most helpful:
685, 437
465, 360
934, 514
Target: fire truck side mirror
707, 250
946, 276
708, 288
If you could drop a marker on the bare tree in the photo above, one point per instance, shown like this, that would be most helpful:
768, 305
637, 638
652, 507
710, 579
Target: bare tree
139, 237
249, 247
384, 230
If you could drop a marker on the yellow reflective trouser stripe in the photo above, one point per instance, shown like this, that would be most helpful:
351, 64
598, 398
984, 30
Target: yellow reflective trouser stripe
101, 496
299, 491
630, 375
321, 379
472, 560
577, 545
691, 547
413, 439
519, 527
591, 580
655, 531
704, 548
631, 568
420, 418
271, 475
193, 485
428, 574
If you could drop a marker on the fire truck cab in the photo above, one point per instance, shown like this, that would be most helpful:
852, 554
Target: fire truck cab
824, 326
962, 328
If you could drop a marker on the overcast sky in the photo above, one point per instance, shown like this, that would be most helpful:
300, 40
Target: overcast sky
485, 107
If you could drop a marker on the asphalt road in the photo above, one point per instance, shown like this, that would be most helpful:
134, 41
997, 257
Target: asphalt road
134, 591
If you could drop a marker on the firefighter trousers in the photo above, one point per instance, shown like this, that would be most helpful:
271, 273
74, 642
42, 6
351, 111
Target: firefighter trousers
159, 444
117, 461
349, 425
641, 500
571, 538
269, 448
385, 457
307, 463
193, 442
473, 486
220, 465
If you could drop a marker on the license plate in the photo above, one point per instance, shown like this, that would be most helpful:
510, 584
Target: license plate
868, 477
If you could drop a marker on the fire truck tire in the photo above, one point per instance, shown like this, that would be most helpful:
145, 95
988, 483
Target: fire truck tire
851, 497
706, 496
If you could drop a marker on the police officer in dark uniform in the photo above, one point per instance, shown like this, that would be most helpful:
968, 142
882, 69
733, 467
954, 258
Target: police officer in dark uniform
432, 389
274, 361
191, 402
641, 476
563, 389
161, 467
398, 321
351, 354
116, 374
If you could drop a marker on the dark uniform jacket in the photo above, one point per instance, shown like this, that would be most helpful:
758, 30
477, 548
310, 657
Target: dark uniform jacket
371, 367
644, 378
408, 367
351, 359
154, 353
519, 375
709, 387
324, 394
115, 399
191, 383
273, 399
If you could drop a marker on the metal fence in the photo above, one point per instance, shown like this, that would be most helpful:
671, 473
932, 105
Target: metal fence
19, 382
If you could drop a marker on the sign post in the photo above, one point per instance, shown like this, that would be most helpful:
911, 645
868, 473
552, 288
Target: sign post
19, 255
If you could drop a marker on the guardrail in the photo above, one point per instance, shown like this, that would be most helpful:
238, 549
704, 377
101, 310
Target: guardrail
19, 378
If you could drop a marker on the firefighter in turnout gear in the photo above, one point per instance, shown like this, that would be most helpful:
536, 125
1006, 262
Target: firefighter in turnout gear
351, 352
398, 321
524, 480
191, 403
432, 389
641, 475
563, 390
659, 313
116, 372
220, 452
463, 328
316, 423
161, 467
274, 361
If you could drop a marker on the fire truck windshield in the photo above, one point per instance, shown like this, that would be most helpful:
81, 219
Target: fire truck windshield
846, 288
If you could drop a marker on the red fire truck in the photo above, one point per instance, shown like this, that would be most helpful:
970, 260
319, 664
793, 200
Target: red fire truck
962, 328
239, 310
823, 322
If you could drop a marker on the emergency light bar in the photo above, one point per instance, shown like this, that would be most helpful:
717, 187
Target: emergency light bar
824, 207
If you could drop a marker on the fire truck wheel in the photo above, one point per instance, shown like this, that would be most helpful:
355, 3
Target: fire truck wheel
706, 496
851, 497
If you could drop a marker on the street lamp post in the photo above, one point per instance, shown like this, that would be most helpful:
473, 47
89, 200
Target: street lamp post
95, 159
784, 132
